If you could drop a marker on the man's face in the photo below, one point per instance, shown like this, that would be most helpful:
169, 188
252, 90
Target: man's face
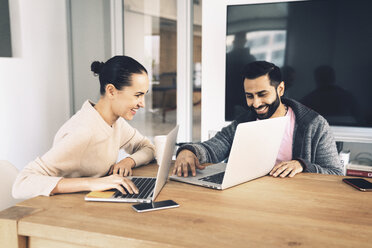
262, 97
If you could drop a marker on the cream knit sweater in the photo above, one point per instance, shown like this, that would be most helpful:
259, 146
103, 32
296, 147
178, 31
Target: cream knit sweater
85, 146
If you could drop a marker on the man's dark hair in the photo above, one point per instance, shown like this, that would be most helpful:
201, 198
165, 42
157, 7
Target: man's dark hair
259, 68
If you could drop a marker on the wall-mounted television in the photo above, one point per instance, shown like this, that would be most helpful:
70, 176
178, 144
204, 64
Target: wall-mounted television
324, 48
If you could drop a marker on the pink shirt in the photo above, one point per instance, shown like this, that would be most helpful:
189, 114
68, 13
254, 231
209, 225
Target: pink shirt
285, 151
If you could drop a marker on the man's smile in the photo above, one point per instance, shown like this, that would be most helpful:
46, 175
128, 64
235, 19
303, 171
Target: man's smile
261, 109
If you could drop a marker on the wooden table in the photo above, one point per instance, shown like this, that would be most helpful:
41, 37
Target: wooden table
309, 210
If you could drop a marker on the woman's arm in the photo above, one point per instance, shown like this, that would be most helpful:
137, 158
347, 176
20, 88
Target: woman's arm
123, 168
42, 175
139, 146
70, 185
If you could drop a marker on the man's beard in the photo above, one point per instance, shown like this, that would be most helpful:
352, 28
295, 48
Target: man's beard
271, 108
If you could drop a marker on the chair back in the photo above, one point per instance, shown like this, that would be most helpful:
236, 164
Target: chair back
8, 174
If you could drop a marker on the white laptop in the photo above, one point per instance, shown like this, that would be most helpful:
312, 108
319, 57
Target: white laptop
149, 187
253, 154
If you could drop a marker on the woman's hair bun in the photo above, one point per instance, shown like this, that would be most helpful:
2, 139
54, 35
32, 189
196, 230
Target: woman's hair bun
96, 67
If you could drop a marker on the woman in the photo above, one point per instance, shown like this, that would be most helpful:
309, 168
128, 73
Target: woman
86, 147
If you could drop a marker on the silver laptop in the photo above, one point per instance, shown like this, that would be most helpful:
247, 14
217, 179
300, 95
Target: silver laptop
253, 154
149, 187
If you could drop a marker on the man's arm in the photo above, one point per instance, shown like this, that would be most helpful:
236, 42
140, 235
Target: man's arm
320, 153
214, 150
314, 151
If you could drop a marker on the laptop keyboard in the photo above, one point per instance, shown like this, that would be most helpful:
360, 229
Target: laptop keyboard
216, 178
145, 186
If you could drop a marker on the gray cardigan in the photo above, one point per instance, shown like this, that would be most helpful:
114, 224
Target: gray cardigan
313, 143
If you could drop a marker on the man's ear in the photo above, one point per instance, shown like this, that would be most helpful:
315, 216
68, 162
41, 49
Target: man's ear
280, 89
110, 90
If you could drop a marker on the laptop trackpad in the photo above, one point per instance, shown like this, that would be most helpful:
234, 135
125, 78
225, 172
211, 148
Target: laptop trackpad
211, 169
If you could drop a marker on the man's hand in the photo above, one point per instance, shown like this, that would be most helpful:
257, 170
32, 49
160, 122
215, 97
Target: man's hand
123, 168
186, 160
287, 168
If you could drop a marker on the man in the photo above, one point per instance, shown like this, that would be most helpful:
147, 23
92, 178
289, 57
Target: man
307, 145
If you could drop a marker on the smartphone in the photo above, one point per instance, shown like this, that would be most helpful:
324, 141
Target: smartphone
145, 207
359, 183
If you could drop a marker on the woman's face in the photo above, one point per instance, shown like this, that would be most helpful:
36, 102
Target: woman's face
129, 99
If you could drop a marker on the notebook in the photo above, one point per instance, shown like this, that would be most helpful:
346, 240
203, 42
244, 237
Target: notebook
253, 154
149, 187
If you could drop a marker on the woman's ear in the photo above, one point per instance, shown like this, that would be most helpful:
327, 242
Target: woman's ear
110, 90
280, 89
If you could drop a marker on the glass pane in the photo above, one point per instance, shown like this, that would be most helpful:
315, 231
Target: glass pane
150, 36
90, 39
250, 38
267, 45
322, 47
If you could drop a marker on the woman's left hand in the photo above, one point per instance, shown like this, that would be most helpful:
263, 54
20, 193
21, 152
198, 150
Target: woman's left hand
123, 168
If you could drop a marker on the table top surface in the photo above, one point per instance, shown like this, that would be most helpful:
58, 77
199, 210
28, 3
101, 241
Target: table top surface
309, 210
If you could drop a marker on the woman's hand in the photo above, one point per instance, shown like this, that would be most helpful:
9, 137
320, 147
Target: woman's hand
112, 182
123, 168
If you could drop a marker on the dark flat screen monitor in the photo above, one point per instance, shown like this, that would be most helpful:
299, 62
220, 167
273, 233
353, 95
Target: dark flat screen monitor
324, 48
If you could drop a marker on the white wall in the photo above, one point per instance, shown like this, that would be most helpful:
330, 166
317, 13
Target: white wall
213, 54
34, 95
